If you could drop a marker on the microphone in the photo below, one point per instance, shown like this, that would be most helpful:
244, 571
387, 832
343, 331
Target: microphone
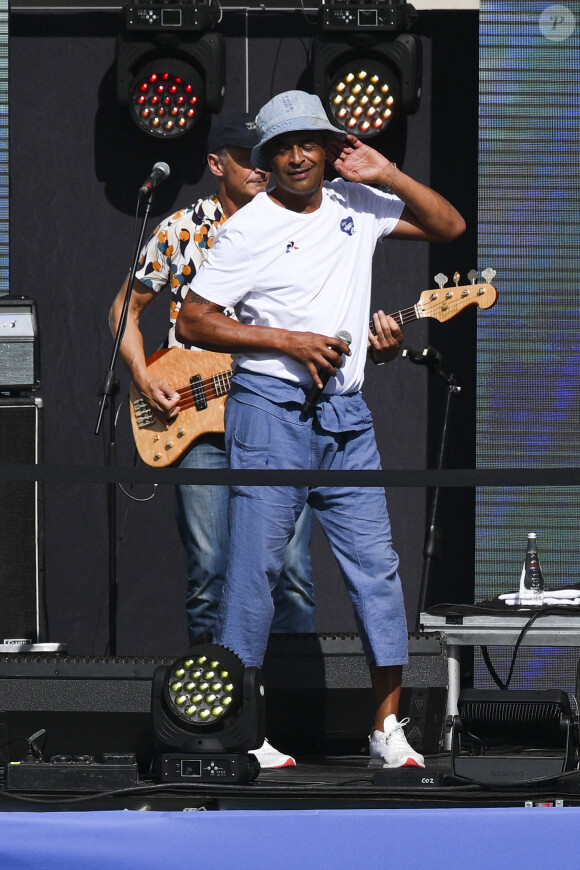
315, 391
158, 174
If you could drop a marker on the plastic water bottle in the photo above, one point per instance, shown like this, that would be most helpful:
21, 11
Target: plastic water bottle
532, 579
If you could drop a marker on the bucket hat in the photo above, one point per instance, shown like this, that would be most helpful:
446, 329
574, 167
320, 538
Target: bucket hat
288, 112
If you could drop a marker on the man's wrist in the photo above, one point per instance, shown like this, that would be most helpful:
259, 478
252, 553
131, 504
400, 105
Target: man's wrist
373, 360
391, 172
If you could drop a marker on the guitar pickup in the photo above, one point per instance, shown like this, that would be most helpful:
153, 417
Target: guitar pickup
143, 414
198, 393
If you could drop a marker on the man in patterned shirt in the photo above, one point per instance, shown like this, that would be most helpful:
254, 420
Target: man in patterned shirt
170, 259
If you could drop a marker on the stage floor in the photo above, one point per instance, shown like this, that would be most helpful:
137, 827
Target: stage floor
339, 782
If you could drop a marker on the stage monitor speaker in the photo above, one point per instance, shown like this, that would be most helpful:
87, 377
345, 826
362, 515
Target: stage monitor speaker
22, 613
319, 698
86, 705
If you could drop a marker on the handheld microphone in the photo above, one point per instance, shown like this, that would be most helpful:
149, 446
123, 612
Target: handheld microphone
158, 174
315, 391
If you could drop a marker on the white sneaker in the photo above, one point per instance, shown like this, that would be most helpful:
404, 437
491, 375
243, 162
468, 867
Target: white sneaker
270, 757
391, 746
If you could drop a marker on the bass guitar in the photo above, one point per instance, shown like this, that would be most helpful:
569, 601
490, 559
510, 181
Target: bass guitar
205, 377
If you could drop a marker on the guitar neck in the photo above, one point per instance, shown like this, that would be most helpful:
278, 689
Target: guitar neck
218, 385
405, 315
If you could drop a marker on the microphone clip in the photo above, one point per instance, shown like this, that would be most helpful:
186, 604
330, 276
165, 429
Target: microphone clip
432, 359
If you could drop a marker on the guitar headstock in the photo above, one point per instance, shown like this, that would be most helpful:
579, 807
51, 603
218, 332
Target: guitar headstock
445, 302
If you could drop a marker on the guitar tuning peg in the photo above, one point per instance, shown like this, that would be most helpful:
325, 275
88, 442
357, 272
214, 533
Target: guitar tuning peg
456, 278
473, 275
440, 279
489, 275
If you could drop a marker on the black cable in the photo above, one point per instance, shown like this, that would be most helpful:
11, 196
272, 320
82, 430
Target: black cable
542, 611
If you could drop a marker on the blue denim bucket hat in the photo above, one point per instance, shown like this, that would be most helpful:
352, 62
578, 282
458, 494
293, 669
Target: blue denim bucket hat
288, 112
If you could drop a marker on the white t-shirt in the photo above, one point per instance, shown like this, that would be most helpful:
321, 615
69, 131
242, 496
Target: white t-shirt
304, 272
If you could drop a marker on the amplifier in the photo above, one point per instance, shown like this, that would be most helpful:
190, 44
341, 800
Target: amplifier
19, 346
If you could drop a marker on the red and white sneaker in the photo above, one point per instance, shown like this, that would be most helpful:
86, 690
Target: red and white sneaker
391, 747
271, 758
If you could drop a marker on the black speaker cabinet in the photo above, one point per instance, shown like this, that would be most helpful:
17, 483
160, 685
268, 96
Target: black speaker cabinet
319, 698
85, 705
21, 509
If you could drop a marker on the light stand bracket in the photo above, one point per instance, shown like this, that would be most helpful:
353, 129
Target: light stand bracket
386, 16
154, 17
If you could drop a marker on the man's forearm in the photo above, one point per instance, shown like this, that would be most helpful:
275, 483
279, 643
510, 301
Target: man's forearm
204, 324
132, 350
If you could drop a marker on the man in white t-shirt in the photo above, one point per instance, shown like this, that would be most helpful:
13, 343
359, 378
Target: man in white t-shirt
295, 401
169, 261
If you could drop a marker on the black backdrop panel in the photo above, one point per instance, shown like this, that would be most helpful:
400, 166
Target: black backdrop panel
71, 222
21, 513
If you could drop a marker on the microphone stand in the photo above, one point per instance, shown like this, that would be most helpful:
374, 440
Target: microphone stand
108, 393
432, 359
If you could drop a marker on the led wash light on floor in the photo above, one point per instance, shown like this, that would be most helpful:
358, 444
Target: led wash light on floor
210, 708
510, 737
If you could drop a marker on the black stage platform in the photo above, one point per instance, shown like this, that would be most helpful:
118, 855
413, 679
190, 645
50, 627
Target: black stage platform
318, 708
325, 783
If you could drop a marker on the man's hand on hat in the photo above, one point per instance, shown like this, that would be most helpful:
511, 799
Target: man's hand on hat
356, 161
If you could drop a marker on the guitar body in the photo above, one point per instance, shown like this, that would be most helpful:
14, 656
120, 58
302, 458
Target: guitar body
160, 447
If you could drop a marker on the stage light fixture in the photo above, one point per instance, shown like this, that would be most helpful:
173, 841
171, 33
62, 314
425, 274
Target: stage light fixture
210, 708
507, 737
367, 84
387, 15
166, 75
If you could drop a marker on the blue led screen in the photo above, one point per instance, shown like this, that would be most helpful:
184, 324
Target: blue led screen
529, 344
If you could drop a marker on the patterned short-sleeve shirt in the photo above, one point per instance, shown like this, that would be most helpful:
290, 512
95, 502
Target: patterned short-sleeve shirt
176, 250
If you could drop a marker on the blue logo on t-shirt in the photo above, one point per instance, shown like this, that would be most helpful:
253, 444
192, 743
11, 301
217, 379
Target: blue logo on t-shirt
347, 226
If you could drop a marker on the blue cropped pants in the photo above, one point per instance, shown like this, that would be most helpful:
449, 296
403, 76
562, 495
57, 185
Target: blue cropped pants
266, 428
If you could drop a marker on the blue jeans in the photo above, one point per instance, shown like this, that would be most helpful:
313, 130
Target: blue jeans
202, 521
265, 434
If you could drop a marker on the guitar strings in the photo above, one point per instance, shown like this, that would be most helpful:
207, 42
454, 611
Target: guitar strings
204, 389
